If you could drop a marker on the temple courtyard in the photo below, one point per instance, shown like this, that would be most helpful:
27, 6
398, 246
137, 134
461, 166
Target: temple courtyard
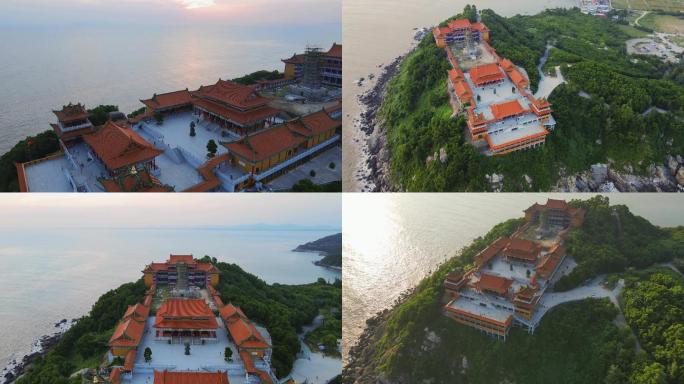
203, 358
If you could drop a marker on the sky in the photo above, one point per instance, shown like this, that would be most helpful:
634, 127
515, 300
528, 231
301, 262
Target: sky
31, 211
168, 12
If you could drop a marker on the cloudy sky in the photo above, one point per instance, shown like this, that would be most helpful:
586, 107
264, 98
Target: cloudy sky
160, 210
235, 12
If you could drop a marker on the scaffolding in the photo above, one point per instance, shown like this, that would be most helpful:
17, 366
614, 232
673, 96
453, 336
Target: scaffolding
311, 70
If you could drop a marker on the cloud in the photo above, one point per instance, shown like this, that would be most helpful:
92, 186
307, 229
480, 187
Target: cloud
194, 4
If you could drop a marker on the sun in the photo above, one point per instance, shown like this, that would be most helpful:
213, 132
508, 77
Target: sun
195, 4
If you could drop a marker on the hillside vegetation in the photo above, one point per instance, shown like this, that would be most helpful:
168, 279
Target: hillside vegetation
608, 124
577, 342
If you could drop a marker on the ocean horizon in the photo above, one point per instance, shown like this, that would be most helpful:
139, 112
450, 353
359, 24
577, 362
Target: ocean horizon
49, 66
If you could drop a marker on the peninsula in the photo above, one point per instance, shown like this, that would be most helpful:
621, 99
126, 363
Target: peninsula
572, 284
556, 101
189, 320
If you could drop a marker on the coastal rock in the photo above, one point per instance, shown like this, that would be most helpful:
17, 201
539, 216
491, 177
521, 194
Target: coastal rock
680, 176
599, 173
672, 164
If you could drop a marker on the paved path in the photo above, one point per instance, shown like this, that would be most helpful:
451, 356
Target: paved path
636, 22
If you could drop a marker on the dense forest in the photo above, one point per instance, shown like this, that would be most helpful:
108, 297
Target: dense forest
612, 239
612, 89
415, 344
282, 309
84, 344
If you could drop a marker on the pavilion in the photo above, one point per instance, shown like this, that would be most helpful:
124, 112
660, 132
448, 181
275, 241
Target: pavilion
121, 149
185, 321
73, 122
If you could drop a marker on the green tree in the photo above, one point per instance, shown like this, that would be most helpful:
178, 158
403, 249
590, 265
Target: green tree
159, 118
192, 129
187, 348
148, 354
211, 148
228, 354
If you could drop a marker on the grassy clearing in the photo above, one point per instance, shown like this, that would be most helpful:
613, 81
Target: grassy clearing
663, 23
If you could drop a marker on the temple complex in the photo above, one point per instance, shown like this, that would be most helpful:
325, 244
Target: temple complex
510, 276
257, 137
188, 328
327, 66
502, 113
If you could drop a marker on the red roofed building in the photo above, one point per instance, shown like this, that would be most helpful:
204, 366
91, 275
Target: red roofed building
169, 102
457, 30
127, 336
234, 106
197, 273
521, 250
140, 181
120, 149
170, 377
508, 109
73, 122
243, 332
330, 66
486, 75
270, 148
185, 320
557, 212
493, 284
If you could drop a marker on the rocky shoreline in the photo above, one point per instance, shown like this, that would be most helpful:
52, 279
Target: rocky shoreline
40, 347
360, 367
665, 177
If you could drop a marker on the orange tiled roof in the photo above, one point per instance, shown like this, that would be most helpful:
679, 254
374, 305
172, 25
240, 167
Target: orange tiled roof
459, 24
138, 312
486, 73
128, 333
267, 143
229, 311
184, 259
115, 376
241, 117
120, 147
550, 261
185, 314
140, 182
496, 284
236, 95
169, 100
335, 51
538, 135
319, 122
523, 249
480, 27
518, 79
492, 250
507, 109
71, 112
245, 334
556, 204
21, 176
166, 377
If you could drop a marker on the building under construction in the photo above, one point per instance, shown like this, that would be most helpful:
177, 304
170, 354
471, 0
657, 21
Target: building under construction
315, 68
